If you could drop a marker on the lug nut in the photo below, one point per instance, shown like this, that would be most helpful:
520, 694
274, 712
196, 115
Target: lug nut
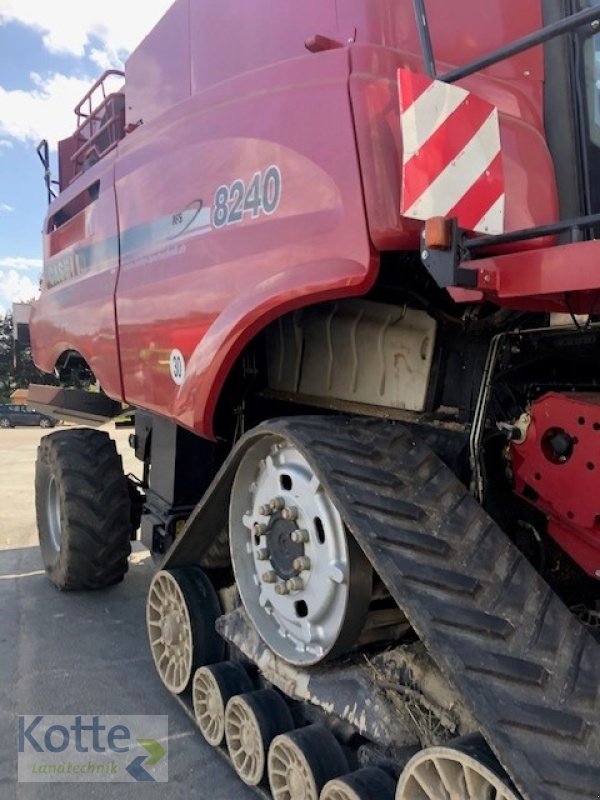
282, 588
302, 563
265, 511
262, 554
270, 577
260, 528
300, 536
290, 513
277, 503
294, 584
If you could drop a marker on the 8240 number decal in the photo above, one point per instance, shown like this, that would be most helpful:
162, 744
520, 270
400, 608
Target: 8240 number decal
261, 196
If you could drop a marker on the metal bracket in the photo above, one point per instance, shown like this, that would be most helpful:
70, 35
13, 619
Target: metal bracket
444, 264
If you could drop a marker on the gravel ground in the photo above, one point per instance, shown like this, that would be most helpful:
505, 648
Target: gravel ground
82, 653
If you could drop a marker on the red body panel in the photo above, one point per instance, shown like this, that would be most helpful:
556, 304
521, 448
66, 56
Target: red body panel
206, 294
239, 97
158, 72
515, 86
78, 313
244, 36
460, 32
531, 197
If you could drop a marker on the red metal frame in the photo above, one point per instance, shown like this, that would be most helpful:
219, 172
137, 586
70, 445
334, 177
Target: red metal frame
558, 278
566, 490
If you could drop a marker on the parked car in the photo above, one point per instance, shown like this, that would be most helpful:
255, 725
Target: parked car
10, 416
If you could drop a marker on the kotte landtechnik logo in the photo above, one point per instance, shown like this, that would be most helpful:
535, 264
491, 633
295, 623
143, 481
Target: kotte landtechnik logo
92, 749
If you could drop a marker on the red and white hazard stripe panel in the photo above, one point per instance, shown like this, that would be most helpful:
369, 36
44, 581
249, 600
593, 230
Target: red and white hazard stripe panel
452, 163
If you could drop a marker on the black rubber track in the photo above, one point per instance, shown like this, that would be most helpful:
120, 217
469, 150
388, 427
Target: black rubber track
527, 669
95, 509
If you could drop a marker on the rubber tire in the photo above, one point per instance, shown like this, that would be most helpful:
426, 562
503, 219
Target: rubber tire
94, 509
204, 608
369, 783
231, 679
273, 718
324, 755
45, 423
5, 423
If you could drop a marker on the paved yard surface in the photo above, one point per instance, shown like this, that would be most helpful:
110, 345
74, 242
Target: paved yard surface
82, 653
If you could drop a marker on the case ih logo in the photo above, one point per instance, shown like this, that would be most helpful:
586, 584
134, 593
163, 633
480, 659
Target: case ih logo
452, 166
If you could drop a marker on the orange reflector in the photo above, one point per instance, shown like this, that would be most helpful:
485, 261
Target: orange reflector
438, 233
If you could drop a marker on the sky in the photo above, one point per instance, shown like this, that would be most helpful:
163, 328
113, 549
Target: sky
51, 52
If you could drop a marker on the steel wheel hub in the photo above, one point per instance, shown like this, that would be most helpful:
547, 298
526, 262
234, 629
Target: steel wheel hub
53, 513
248, 738
303, 581
213, 687
244, 741
208, 707
213, 705
171, 628
454, 773
170, 631
283, 551
290, 775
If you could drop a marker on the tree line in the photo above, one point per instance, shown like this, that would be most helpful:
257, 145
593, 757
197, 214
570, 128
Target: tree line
17, 369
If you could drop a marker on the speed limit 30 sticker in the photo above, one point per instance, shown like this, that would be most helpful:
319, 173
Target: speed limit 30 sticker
177, 366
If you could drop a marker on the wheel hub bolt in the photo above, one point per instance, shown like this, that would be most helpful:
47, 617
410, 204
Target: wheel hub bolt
301, 563
277, 503
262, 554
265, 511
282, 588
270, 576
260, 528
290, 513
294, 585
299, 536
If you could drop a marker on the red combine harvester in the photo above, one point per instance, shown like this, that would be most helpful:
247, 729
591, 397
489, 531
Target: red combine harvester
340, 257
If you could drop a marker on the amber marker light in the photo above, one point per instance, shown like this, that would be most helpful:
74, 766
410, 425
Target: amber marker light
438, 233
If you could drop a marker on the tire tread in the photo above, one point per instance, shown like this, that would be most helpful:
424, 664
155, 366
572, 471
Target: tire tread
95, 509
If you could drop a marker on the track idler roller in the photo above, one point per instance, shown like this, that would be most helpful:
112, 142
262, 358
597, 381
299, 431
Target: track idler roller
252, 721
370, 783
464, 770
303, 761
213, 688
181, 611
